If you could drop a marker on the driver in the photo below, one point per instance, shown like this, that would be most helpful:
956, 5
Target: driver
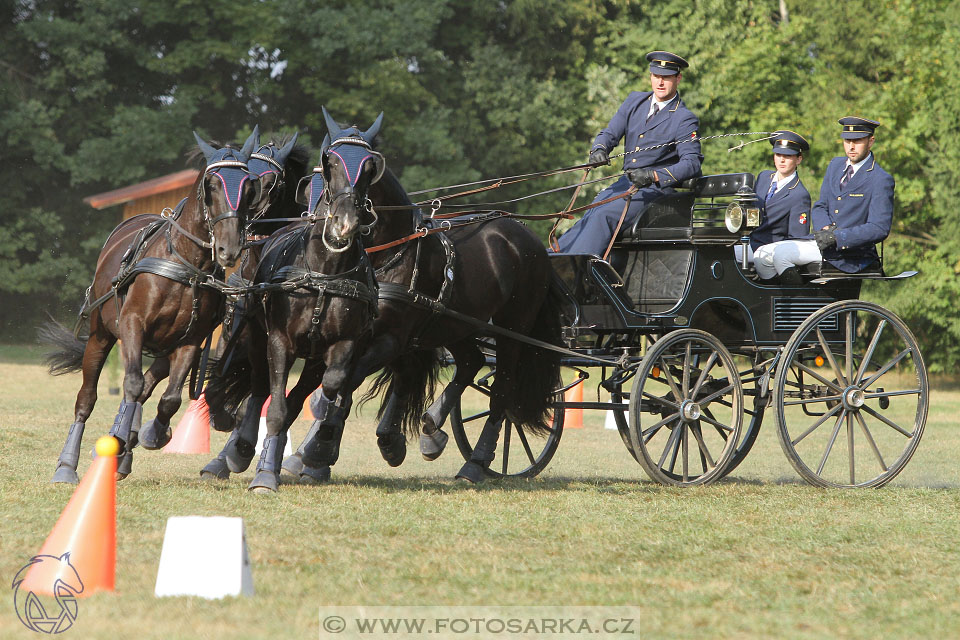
645, 120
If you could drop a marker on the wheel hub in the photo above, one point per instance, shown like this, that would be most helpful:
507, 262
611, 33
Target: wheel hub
853, 398
690, 410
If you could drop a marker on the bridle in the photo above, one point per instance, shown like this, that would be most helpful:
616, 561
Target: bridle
226, 172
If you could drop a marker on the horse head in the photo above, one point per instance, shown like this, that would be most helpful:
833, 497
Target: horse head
348, 166
268, 163
227, 192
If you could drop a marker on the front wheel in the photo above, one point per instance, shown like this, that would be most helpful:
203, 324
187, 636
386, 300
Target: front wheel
686, 409
851, 396
520, 452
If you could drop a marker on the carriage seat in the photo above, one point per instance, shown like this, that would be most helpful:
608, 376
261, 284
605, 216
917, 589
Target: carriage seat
827, 270
671, 217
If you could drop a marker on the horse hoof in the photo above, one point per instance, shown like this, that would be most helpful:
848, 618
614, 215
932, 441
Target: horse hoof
65, 475
154, 435
472, 472
216, 469
292, 465
124, 465
239, 454
265, 482
315, 475
431, 446
393, 448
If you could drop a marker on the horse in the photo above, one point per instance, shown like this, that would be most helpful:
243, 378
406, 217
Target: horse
154, 290
494, 271
318, 303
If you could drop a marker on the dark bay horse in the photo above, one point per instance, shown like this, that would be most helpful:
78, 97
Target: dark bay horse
496, 271
318, 301
151, 290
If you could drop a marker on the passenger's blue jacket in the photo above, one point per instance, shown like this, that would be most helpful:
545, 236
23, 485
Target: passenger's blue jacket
786, 215
674, 162
863, 212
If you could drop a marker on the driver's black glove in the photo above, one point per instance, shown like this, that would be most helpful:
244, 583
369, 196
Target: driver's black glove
599, 155
825, 238
642, 177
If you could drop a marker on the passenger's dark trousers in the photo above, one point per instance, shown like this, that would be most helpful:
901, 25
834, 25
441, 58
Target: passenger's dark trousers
592, 233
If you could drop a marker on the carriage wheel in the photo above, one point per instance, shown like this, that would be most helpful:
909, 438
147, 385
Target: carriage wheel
622, 418
686, 409
520, 453
851, 396
753, 409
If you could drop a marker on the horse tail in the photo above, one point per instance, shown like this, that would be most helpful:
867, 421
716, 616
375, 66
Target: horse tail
68, 354
534, 373
227, 387
413, 378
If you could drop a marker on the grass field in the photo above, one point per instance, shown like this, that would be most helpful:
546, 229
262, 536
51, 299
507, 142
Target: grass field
759, 555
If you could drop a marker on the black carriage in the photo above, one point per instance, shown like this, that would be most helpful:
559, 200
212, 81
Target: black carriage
693, 350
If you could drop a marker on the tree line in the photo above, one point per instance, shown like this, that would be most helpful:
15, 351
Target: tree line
104, 93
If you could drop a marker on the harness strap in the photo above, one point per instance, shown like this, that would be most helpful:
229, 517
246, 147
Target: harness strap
623, 214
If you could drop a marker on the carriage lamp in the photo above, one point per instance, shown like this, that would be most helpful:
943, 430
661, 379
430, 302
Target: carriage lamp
733, 217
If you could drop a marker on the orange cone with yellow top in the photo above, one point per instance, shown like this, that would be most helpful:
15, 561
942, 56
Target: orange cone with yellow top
193, 431
83, 543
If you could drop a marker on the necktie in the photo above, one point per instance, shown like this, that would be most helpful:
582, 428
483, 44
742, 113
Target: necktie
846, 176
772, 190
656, 107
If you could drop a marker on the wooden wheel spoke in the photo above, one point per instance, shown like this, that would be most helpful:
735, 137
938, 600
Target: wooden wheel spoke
665, 369
660, 400
816, 424
886, 421
507, 428
647, 433
811, 400
848, 345
890, 394
703, 374
685, 446
833, 439
870, 349
685, 385
873, 444
890, 365
816, 375
718, 425
850, 448
715, 395
477, 416
672, 443
482, 389
526, 445
705, 456
829, 354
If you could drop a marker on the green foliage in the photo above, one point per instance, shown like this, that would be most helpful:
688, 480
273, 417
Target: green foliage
97, 95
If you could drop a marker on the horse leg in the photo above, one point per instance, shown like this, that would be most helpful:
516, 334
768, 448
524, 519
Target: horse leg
469, 361
241, 445
293, 464
323, 448
126, 425
157, 433
94, 356
390, 439
483, 451
279, 357
157, 371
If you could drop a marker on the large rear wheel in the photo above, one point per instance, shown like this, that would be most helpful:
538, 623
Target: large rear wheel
851, 396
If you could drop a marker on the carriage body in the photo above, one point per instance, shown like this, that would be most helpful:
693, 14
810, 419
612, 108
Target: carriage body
686, 333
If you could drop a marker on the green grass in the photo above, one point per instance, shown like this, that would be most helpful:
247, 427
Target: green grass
759, 555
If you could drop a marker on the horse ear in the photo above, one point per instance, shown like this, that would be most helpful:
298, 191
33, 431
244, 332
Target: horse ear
252, 143
325, 144
287, 148
333, 128
207, 149
374, 129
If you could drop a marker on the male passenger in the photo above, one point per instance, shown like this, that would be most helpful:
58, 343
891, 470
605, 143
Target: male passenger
644, 121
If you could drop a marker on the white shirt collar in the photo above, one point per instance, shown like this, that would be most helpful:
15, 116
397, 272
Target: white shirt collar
856, 167
660, 103
782, 183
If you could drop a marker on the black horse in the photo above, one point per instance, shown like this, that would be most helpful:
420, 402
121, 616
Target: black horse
494, 271
320, 298
151, 291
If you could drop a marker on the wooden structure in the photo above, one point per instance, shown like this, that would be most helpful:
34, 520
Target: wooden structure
152, 196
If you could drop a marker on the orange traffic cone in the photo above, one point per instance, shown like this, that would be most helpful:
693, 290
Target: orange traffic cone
193, 431
573, 418
79, 555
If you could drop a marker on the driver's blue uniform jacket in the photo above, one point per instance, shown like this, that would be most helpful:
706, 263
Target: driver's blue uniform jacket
785, 215
862, 211
674, 163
